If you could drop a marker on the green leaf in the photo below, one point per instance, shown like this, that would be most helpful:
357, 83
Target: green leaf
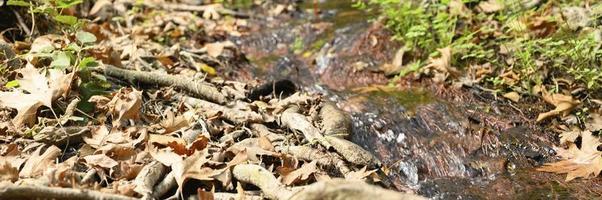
12, 84
66, 19
85, 37
61, 60
87, 62
67, 3
18, 3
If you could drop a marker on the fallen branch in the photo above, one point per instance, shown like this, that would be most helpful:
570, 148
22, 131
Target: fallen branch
10, 191
231, 114
195, 87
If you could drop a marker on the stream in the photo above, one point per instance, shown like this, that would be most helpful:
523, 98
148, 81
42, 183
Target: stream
440, 143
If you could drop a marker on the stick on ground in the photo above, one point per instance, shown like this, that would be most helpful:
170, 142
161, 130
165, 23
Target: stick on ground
196, 87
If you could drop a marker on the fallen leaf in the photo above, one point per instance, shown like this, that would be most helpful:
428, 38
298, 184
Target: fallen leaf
582, 162
440, 68
563, 103
126, 104
172, 123
41, 91
300, 174
514, 96
38, 161
101, 160
360, 174
191, 168
490, 6
8, 172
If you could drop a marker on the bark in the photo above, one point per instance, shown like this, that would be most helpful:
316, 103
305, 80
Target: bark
197, 88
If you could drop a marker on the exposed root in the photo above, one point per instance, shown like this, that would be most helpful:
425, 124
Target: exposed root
262, 178
352, 152
335, 122
323, 158
148, 176
349, 190
164, 186
196, 87
10, 191
298, 122
231, 114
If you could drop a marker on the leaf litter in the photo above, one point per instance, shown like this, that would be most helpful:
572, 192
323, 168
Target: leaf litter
156, 120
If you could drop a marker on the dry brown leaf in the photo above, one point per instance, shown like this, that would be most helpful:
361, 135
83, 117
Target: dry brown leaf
582, 162
300, 174
166, 156
265, 143
192, 167
165, 140
360, 174
215, 49
38, 162
490, 6
440, 68
126, 104
41, 91
173, 123
514, 96
8, 172
101, 160
569, 136
563, 103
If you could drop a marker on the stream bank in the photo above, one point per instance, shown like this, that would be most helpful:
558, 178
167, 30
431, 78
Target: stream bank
441, 142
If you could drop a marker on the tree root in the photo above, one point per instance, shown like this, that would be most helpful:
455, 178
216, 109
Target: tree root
233, 115
262, 178
349, 190
335, 122
323, 158
353, 152
10, 191
295, 121
196, 87
148, 176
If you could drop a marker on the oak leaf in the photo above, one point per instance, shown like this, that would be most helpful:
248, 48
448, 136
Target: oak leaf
578, 162
35, 90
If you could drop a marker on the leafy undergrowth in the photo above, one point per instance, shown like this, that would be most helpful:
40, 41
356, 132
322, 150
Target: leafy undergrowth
515, 49
123, 99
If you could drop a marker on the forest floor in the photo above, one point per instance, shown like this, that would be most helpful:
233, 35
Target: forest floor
299, 100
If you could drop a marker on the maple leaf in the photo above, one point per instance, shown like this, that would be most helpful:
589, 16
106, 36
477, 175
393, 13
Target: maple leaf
35, 90
578, 162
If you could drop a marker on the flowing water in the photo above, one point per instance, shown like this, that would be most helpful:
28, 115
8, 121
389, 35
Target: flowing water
441, 148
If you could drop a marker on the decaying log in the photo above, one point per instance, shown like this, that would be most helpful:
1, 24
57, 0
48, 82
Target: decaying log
298, 122
197, 88
231, 114
323, 158
262, 178
349, 190
353, 152
335, 122
10, 191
